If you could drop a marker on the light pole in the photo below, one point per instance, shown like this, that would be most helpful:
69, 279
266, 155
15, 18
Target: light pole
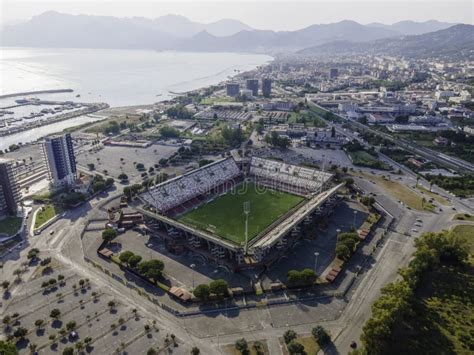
246, 211
316, 254
354, 221
192, 266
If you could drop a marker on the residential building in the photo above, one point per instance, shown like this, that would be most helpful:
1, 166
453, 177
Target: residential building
266, 87
232, 89
252, 84
9, 190
60, 160
333, 73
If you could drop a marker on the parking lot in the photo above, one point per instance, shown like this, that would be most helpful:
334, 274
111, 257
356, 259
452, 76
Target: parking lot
301, 255
85, 314
177, 267
117, 160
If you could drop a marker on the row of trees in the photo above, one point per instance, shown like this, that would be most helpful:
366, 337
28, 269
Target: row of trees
346, 245
303, 278
218, 287
151, 269
321, 336
100, 184
433, 250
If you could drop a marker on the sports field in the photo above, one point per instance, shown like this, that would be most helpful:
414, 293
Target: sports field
225, 216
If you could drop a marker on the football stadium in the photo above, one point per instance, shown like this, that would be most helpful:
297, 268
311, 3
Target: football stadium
240, 213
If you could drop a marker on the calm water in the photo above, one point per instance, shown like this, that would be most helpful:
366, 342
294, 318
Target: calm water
118, 77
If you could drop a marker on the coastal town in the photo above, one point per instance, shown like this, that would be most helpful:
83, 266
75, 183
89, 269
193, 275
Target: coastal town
259, 215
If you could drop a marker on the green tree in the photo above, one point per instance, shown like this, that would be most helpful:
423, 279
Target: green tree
125, 256
134, 260
71, 325
289, 336
343, 252
321, 336
295, 348
109, 234
219, 287
7, 348
20, 332
242, 345
55, 313
202, 291
68, 351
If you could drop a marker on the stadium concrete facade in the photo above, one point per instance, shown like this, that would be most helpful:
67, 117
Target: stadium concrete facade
165, 204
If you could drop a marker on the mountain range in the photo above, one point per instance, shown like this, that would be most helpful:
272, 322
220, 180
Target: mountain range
455, 41
173, 32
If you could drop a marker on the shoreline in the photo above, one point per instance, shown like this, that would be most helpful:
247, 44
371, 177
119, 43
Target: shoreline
36, 92
67, 116
120, 107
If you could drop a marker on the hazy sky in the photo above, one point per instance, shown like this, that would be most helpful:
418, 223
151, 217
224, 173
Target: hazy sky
277, 15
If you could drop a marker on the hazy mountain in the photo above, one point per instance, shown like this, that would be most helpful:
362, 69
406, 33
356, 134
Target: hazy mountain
181, 26
261, 40
414, 28
173, 32
52, 29
455, 41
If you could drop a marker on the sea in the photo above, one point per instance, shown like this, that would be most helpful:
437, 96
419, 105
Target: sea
115, 76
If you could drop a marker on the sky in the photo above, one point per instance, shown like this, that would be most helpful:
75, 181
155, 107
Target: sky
261, 14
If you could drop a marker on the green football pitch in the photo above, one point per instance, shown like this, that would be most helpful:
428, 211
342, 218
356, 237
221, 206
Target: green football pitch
225, 216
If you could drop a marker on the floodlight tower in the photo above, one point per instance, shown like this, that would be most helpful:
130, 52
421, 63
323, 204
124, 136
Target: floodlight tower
246, 211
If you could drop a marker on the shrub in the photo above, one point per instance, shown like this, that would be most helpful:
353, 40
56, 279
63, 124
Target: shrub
242, 345
289, 335
320, 334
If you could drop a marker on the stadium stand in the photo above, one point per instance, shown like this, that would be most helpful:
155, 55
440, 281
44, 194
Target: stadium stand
187, 190
290, 178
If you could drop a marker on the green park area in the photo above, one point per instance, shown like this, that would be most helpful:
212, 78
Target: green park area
363, 158
400, 192
225, 217
311, 347
45, 213
10, 225
429, 311
464, 217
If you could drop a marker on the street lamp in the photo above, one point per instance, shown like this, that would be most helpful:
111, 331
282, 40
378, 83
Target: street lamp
192, 266
316, 254
354, 221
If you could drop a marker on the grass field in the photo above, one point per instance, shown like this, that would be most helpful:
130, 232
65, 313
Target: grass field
399, 191
466, 231
464, 217
433, 195
45, 214
231, 350
226, 218
310, 345
362, 158
10, 225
